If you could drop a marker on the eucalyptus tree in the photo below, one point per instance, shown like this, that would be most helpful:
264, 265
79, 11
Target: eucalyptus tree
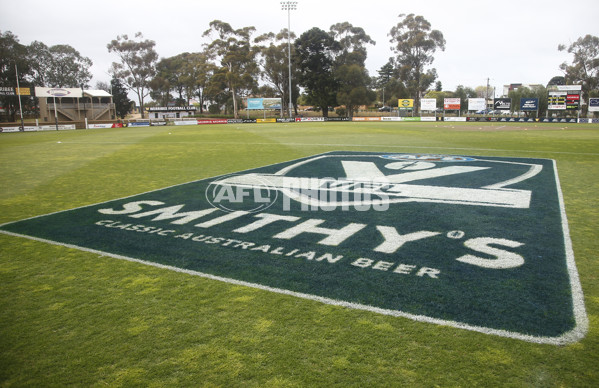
415, 43
273, 58
183, 76
40, 62
352, 43
60, 66
354, 88
12, 52
171, 74
354, 83
234, 56
584, 69
13, 56
197, 73
137, 65
160, 90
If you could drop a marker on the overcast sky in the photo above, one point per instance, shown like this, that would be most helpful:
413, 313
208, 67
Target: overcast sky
508, 41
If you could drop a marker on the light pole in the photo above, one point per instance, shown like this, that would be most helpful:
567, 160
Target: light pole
289, 6
19, 95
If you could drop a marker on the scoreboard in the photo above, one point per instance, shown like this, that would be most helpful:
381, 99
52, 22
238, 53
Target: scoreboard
556, 100
573, 101
564, 97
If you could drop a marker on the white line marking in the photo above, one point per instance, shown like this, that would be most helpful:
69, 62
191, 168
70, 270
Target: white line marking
383, 146
570, 337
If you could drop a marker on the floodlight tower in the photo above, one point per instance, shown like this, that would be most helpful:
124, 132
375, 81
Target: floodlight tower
289, 6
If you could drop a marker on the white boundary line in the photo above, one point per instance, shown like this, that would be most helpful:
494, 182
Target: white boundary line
572, 336
348, 145
580, 315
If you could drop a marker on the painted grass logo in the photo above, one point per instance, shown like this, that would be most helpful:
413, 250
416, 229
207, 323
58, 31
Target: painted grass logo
363, 186
452, 240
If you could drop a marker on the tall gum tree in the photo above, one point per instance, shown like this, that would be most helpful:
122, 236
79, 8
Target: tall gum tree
584, 69
59, 66
198, 71
273, 58
350, 69
235, 58
415, 43
13, 56
138, 64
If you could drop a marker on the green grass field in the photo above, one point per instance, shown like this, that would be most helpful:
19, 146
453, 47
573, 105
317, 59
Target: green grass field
69, 317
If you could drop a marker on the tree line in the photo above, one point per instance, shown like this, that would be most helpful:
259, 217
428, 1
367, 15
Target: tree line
327, 68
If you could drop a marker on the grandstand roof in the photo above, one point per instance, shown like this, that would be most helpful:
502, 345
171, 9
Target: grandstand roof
96, 93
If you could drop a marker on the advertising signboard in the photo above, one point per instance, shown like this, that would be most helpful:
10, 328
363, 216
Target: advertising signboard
23, 91
502, 103
572, 101
405, 103
565, 88
263, 103
10, 91
428, 104
477, 104
171, 108
58, 92
529, 104
7, 91
593, 104
451, 103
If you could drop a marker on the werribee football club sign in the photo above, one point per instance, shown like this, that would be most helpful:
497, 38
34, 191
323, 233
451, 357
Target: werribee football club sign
479, 243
